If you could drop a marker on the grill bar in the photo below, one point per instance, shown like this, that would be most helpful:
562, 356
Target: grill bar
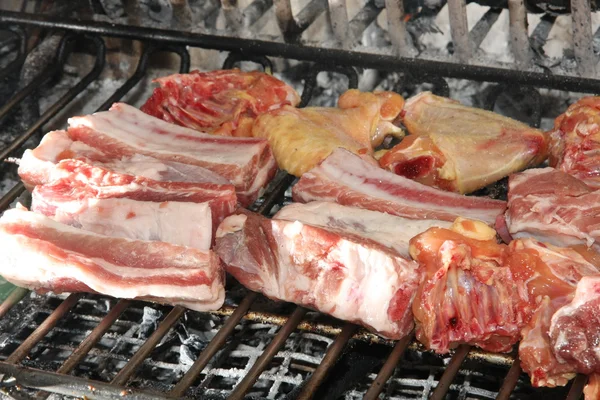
450, 372
11, 195
388, 368
577, 386
21, 352
510, 381
13, 298
270, 351
149, 345
331, 357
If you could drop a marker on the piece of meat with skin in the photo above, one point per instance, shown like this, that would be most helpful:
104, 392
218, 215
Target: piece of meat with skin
347, 179
302, 137
575, 328
592, 388
575, 141
125, 131
80, 181
460, 148
551, 275
224, 102
389, 230
553, 207
184, 224
344, 275
468, 294
37, 165
42, 254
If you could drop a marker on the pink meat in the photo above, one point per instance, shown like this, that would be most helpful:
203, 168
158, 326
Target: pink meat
44, 255
125, 131
338, 273
553, 207
349, 180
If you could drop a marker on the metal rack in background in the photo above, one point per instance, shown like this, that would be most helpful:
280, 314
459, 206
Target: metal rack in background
61, 381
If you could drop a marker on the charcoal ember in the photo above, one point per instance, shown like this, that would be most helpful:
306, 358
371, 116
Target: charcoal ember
113, 8
149, 323
190, 348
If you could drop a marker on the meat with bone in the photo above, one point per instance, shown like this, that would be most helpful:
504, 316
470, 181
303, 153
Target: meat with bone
468, 295
347, 179
342, 274
553, 207
220, 102
551, 275
180, 223
575, 141
44, 255
125, 131
37, 166
388, 230
77, 181
301, 138
460, 148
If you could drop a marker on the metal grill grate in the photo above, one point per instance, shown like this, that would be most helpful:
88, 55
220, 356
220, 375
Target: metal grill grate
227, 358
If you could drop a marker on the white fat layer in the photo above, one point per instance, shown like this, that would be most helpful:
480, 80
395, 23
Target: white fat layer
141, 131
231, 224
180, 223
389, 230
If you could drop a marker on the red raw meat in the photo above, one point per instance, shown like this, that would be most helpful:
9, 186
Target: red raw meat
222, 102
44, 255
338, 273
575, 141
125, 131
347, 179
469, 295
553, 207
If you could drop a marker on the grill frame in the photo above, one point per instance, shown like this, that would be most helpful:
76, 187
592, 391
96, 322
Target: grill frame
258, 51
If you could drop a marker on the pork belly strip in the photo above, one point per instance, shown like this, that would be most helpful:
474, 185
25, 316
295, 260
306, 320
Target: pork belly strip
180, 223
37, 165
42, 254
344, 275
553, 207
349, 180
126, 131
389, 230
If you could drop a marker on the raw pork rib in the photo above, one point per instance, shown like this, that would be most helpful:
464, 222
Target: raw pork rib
302, 137
551, 275
44, 255
37, 165
460, 148
76, 181
553, 207
389, 230
184, 224
575, 141
220, 102
468, 295
125, 131
349, 180
344, 275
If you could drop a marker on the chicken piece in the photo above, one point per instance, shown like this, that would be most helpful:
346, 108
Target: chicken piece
301, 138
222, 102
459, 148
468, 294
551, 275
575, 141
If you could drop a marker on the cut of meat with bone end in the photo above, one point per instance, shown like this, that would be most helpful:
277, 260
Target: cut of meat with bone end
81, 181
344, 275
468, 294
575, 141
389, 230
460, 148
222, 102
125, 131
553, 207
42, 254
180, 223
347, 179
575, 328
